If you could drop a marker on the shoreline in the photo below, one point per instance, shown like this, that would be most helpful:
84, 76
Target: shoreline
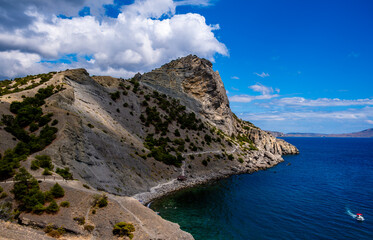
174, 185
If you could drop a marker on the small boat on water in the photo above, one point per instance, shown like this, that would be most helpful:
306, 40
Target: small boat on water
359, 217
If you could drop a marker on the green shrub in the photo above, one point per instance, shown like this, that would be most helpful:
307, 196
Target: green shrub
89, 228
38, 209
230, 157
35, 165
45, 162
54, 232
46, 172
177, 133
48, 196
65, 204
90, 125
1, 189
33, 127
114, 96
43, 120
240, 160
144, 103
86, 186
80, 220
124, 229
55, 122
208, 139
57, 191
3, 195
100, 201
65, 173
26, 191
6, 212
204, 163
53, 207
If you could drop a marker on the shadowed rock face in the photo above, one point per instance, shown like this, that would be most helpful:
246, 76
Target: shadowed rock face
193, 80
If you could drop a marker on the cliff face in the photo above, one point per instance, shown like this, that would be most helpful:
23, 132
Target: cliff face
197, 85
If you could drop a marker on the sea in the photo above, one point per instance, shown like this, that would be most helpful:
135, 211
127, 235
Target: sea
313, 195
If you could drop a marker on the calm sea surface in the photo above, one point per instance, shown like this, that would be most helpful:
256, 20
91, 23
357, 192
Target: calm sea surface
305, 200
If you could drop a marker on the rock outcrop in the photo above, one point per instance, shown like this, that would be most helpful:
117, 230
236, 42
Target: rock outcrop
198, 86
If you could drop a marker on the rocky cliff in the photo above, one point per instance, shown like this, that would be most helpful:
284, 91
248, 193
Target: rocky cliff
197, 85
135, 137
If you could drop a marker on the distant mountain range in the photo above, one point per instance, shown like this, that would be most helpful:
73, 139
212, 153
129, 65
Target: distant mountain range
368, 133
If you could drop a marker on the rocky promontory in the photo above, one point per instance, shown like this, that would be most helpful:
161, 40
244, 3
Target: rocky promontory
131, 137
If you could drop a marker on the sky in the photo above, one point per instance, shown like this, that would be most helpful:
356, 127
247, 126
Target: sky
287, 65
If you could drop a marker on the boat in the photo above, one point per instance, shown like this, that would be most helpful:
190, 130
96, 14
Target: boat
359, 217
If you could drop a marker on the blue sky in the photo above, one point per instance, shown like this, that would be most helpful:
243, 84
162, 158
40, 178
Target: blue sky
290, 66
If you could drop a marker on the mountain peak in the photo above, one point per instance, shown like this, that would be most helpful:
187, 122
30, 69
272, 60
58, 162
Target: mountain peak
198, 86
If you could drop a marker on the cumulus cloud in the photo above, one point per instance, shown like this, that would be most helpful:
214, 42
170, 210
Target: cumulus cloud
15, 62
262, 75
322, 102
15, 13
145, 35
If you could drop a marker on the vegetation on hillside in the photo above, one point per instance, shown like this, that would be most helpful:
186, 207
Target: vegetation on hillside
28, 117
122, 229
30, 198
25, 83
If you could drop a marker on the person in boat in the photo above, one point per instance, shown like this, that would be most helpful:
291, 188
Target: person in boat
359, 216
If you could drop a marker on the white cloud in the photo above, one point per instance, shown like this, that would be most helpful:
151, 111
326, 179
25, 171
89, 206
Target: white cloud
262, 89
235, 89
235, 77
194, 2
136, 41
322, 102
369, 121
15, 62
262, 75
248, 98
349, 114
266, 93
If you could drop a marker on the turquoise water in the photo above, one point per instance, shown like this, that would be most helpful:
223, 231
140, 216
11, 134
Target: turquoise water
308, 199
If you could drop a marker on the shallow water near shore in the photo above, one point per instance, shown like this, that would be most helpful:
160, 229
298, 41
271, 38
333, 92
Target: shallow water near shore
306, 199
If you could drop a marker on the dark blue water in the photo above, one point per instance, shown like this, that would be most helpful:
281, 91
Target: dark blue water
304, 200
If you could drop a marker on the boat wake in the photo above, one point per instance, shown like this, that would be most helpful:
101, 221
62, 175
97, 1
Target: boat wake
348, 211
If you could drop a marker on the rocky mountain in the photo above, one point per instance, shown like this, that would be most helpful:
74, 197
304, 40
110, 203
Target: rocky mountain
368, 133
131, 137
